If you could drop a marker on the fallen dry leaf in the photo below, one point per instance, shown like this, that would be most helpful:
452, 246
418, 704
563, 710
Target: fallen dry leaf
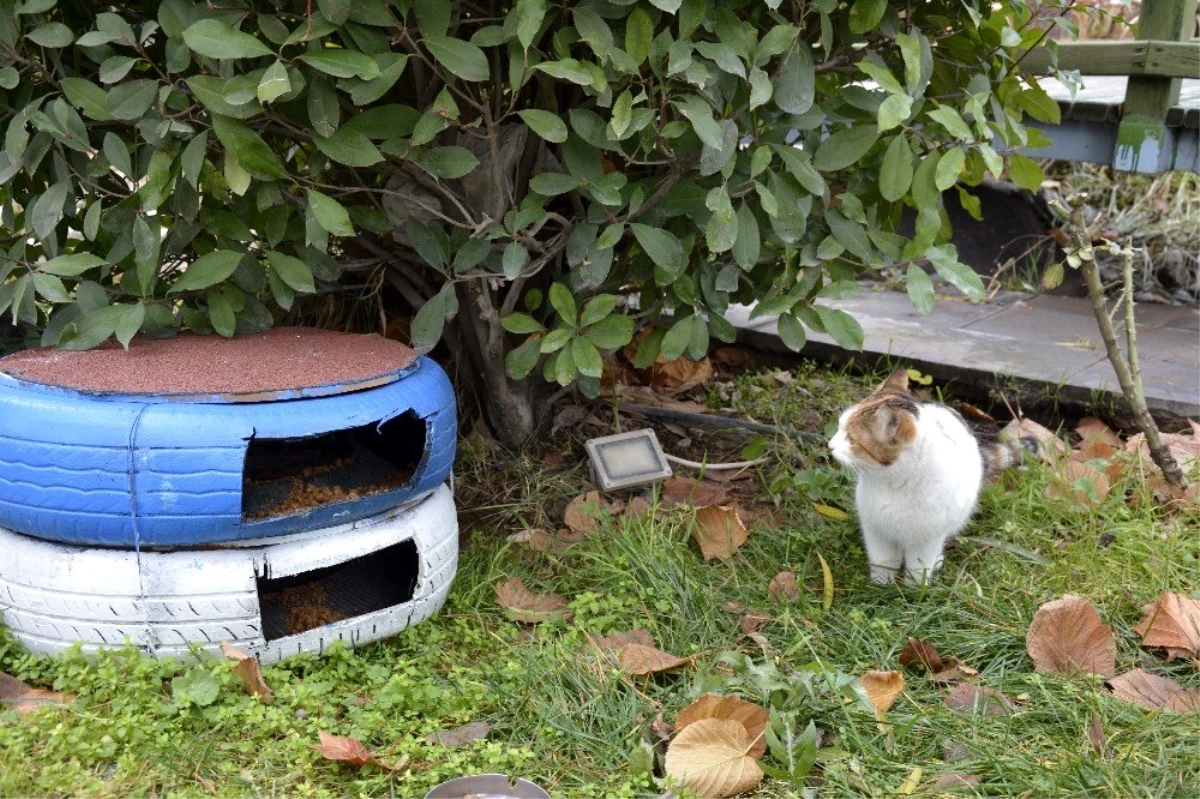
712, 758
1184, 448
24, 698
750, 622
581, 513
1051, 446
349, 750
970, 698
719, 531
783, 588
1153, 691
953, 750
952, 780
1174, 499
521, 604
1067, 637
941, 670
637, 507
686, 491
617, 640
660, 729
248, 671
1172, 622
677, 376
1096, 736
1081, 482
638, 659
539, 540
883, 688
716, 706
459, 736
970, 410
736, 357
1092, 429
830, 512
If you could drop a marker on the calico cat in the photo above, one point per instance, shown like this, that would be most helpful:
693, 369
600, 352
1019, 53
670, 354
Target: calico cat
919, 472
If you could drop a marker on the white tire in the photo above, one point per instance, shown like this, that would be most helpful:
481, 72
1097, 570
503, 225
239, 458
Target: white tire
166, 602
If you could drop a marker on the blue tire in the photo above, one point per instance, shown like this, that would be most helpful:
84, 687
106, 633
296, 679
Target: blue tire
145, 471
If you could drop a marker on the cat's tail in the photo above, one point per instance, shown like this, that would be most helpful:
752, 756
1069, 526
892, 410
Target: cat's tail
1002, 455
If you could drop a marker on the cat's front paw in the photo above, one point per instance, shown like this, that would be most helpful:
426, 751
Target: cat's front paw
883, 575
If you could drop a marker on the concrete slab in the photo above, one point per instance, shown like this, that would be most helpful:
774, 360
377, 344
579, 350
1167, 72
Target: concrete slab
1046, 340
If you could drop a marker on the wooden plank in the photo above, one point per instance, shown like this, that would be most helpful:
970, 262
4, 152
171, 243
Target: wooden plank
1153, 57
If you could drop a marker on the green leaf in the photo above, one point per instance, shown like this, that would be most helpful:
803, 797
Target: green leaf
567, 69
72, 265
221, 314
118, 154
896, 173
953, 122
845, 148
521, 323
336, 11
893, 111
910, 51
51, 34
391, 67
132, 99
760, 88
924, 187
91, 220
274, 82
597, 308
722, 229
215, 39
614, 330
1025, 172
529, 15
849, 234
87, 97
677, 338
622, 114
430, 319
129, 322
324, 110
700, 114
550, 184
342, 63
844, 328
555, 340
292, 271
670, 6
748, 246
348, 146
50, 287
521, 361
329, 213
799, 163
549, 126
795, 89
210, 91
429, 242
949, 168
248, 148
462, 59
563, 302
723, 56
115, 68
639, 35
945, 260
94, 328
513, 260
865, 15
920, 289
663, 249
791, 332
1038, 104
587, 357
9, 78
471, 254
448, 162
207, 270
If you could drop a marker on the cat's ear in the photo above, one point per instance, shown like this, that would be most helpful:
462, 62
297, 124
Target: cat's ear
897, 381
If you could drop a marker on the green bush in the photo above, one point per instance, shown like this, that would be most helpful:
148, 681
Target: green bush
520, 168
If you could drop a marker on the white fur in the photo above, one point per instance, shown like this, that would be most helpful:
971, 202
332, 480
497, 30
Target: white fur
910, 509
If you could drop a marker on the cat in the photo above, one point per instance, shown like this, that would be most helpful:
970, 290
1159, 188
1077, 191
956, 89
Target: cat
919, 471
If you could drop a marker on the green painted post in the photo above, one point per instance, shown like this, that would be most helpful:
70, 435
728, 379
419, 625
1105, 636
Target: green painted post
1142, 137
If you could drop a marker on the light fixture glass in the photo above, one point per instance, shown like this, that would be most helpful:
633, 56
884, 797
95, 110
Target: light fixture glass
627, 459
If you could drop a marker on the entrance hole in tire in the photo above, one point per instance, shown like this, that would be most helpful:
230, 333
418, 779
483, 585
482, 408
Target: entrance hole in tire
308, 600
285, 476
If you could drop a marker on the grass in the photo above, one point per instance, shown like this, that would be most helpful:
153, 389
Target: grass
572, 723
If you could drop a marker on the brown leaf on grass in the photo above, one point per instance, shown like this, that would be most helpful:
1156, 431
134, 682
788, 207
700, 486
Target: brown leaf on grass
521, 604
941, 670
1051, 446
1172, 622
750, 622
1101, 455
620, 639
686, 491
970, 698
783, 588
883, 688
983, 416
1080, 482
349, 750
1097, 739
952, 781
581, 513
24, 698
660, 729
1067, 637
1184, 448
637, 507
719, 531
639, 659
248, 671
712, 758
735, 357
1174, 499
677, 376
716, 706
1092, 429
1153, 692
459, 736
539, 540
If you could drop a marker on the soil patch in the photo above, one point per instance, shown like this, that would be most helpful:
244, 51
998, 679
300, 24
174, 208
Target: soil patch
282, 359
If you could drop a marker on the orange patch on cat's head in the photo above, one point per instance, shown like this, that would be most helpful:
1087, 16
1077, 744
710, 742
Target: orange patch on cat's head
881, 426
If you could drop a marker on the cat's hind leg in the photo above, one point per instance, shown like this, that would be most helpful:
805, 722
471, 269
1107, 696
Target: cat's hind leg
884, 555
922, 559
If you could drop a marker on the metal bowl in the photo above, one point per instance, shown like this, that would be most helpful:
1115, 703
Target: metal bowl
487, 786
